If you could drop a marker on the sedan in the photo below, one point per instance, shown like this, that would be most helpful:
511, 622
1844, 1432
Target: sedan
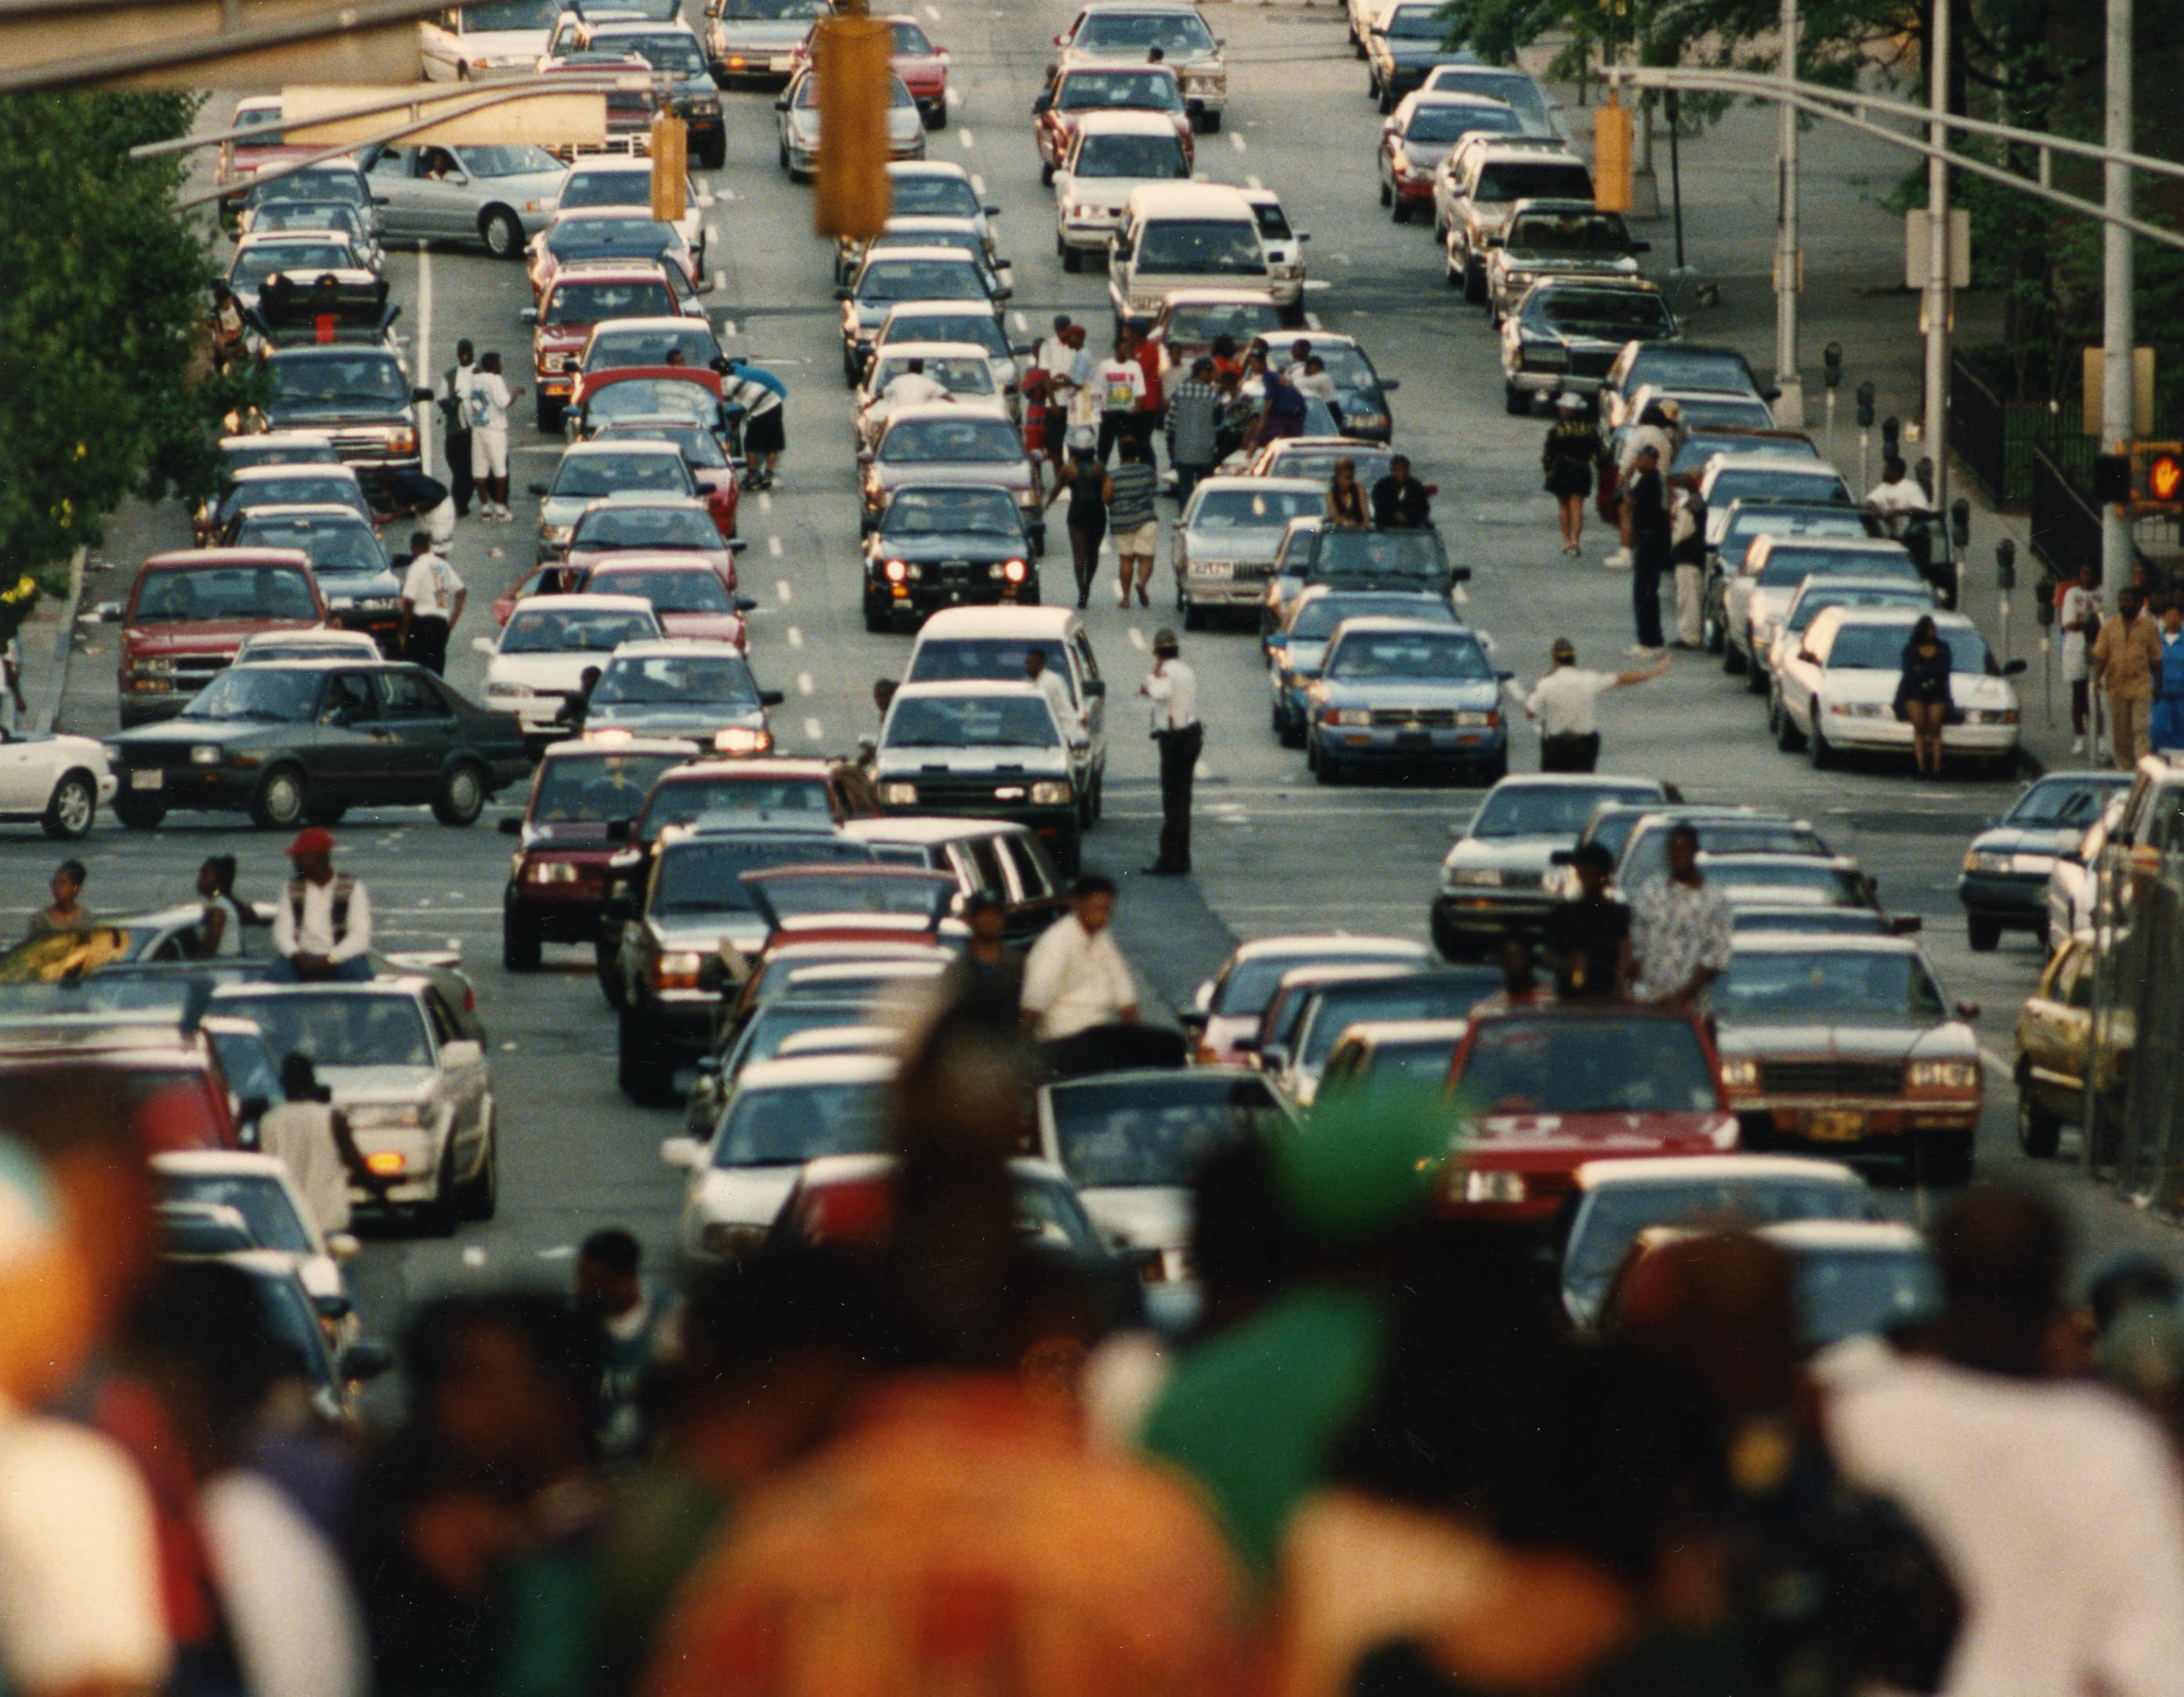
59, 781
961, 368
900, 274
1838, 691
973, 321
261, 1189
594, 235
1224, 543
685, 590
1296, 648
1229, 1006
1111, 154
1191, 320
1405, 693
535, 668
946, 545
1124, 30
2056, 1036
702, 456
699, 690
1755, 601
260, 257
598, 471
1560, 238
2004, 883
1729, 479
1815, 595
1423, 132
1084, 90
493, 195
797, 139
1566, 332
1360, 393
1402, 43
947, 443
609, 528
933, 188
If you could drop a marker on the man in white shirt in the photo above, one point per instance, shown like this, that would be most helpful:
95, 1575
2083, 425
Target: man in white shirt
1120, 384
1075, 978
432, 598
1052, 685
322, 924
2056, 1507
486, 399
1055, 356
912, 388
1172, 689
1564, 702
1679, 929
2078, 617
1896, 496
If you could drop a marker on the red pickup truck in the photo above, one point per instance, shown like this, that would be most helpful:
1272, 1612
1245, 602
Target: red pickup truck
191, 609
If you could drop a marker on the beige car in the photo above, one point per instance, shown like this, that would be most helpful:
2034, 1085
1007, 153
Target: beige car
2055, 1051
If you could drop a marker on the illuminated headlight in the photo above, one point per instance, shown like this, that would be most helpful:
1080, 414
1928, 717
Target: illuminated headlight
896, 572
550, 872
899, 795
1476, 878
1203, 81
677, 969
1346, 716
1860, 709
1942, 1074
1053, 793
508, 691
1740, 1072
1979, 860
1990, 715
205, 754
382, 1163
555, 362
741, 740
385, 1117
1014, 570
1473, 718
1492, 1188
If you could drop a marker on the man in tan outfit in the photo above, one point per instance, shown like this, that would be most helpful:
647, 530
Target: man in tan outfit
2126, 655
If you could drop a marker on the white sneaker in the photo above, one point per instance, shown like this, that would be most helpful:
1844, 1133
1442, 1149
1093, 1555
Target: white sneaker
1619, 561
2077, 744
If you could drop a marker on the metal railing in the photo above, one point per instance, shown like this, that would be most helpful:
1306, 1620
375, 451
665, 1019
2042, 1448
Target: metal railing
2066, 519
1979, 430
2134, 1115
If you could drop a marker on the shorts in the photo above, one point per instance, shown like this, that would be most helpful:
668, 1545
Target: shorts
1143, 539
489, 453
765, 433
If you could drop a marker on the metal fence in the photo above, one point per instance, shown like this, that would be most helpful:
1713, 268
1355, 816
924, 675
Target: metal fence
2066, 521
2135, 1101
1997, 439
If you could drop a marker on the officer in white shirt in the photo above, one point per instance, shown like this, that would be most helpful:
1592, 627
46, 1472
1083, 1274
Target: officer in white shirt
1564, 702
1172, 689
432, 598
322, 922
1075, 978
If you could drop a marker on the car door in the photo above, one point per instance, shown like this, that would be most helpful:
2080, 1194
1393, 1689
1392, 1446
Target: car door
348, 749
1091, 693
1035, 897
1801, 677
26, 775
419, 723
393, 180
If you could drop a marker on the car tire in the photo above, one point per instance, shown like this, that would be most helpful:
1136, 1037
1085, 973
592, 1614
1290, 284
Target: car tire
72, 806
852, 372
1045, 174
1755, 677
281, 800
137, 813
502, 231
550, 415
1211, 126
1787, 737
1449, 274
607, 967
1356, 47
1326, 769
936, 117
716, 155
1733, 661
462, 795
1072, 258
1518, 400
641, 1070
2039, 1133
1943, 1158
441, 1215
1823, 751
1491, 774
876, 620
479, 1197
1474, 279
1194, 617
522, 946
1385, 100
1387, 194
1983, 936
1292, 734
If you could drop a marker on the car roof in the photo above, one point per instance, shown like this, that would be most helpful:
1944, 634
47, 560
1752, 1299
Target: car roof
1554, 280
928, 168
674, 647
983, 408
1828, 545
1381, 1032
932, 350
901, 829
1216, 295
851, 1069
1123, 121
331, 511
762, 766
240, 1162
387, 983
608, 604
1726, 461
594, 748
1313, 973
189, 559
925, 251
1572, 780
1555, 205
1822, 943
1851, 583
1343, 942
308, 468
625, 500
1868, 1235
1419, 99
1598, 1175
651, 560
589, 450
649, 322
1007, 623
1375, 624
1188, 199
1286, 485
1003, 689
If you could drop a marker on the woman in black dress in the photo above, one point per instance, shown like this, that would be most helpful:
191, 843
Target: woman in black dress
1923, 694
1087, 485
1574, 449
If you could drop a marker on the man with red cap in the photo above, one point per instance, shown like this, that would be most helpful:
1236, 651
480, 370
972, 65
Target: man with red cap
322, 926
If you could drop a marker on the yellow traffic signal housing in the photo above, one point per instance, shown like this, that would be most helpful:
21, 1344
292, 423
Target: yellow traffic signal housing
1611, 156
671, 167
850, 190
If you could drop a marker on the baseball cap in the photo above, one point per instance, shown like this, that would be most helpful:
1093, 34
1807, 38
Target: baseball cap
312, 839
1563, 652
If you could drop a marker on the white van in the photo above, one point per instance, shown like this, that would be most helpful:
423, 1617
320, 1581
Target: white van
1182, 235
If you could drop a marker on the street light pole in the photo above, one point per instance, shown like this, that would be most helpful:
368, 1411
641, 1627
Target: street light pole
1789, 405
2118, 327
1937, 308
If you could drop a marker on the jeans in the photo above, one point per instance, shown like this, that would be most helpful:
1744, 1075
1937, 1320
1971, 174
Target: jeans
1179, 759
1186, 480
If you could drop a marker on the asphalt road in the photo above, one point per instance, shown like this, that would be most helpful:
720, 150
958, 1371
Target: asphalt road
1274, 852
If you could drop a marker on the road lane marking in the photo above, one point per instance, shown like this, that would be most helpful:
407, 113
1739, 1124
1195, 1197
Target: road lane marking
1137, 639
814, 731
1312, 321
773, 546
780, 588
765, 502
728, 327
977, 184
966, 140
474, 1257
796, 636
559, 1252
933, 12
1252, 182
2001, 1068
1018, 322
1236, 141
720, 279
804, 684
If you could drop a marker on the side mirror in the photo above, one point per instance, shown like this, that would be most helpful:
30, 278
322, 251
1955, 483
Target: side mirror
1096, 689
108, 612
343, 1245
2013, 668
1245, 1046
253, 1110
712, 974
1459, 574
1042, 104
1273, 1057
462, 1053
704, 285
1905, 925
1201, 999
1967, 1010
771, 698
780, 104
367, 1360
867, 746
1390, 385
864, 456
421, 396
618, 831
481, 644
687, 1154
1502, 677
1808, 656
529, 315
1301, 234
539, 489
745, 603
735, 545
331, 1306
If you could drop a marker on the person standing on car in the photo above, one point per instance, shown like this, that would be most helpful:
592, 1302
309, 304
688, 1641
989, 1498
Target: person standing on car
1172, 689
220, 932
1646, 523
432, 598
1345, 497
1565, 701
1401, 501
322, 922
1194, 420
984, 983
1573, 452
1680, 927
486, 399
455, 416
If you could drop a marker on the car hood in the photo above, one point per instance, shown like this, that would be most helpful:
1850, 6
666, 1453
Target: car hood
1576, 341
1141, 1216
1001, 764
1550, 1142
742, 1196
1408, 692
1848, 1039
1256, 544
354, 1085
301, 414
204, 636
1410, 52
548, 672
705, 932
1564, 266
1304, 658
179, 732
1108, 193
338, 587
1966, 690
2040, 841
1534, 855
671, 719
1423, 156
1012, 476
572, 839
968, 544
762, 32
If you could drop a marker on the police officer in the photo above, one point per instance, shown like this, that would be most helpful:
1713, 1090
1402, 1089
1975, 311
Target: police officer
1172, 689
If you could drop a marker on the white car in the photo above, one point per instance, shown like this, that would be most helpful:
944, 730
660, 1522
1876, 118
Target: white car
1815, 595
59, 781
1754, 601
1285, 245
260, 1188
327, 643
1763, 478
499, 38
782, 1114
961, 368
1838, 690
1110, 153
538, 662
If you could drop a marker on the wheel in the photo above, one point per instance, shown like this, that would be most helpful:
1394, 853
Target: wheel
74, 805
1385, 100
781, 153
1474, 279
876, 616
1072, 258
608, 969
1518, 400
1755, 675
715, 154
1491, 774
462, 795
1325, 767
1732, 657
1209, 124
520, 942
502, 232
479, 1198
138, 812
642, 1071
1943, 1158
1292, 734
1387, 195
2038, 1131
1194, 617
1446, 941
1787, 737
550, 415
936, 117
1823, 751
1983, 934
852, 372
440, 1216
1449, 274
279, 804
1356, 47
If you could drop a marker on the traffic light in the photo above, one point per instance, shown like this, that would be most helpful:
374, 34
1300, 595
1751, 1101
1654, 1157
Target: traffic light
849, 194
1611, 156
2163, 483
671, 166
1892, 434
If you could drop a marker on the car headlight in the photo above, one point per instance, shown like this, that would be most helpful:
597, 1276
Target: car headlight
1053, 792
1740, 1072
152, 663
728, 1241
555, 362
550, 872
1013, 571
505, 691
896, 571
401, 442
676, 969
1942, 1074
1860, 709
1346, 716
555, 535
1081, 210
1980, 860
1493, 1188
1476, 878
205, 754
705, 105
386, 1116
1473, 718
899, 795
1990, 715
742, 739
1368, 420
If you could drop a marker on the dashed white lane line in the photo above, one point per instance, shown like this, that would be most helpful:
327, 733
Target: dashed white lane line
933, 12
2001, 1068
719, 281
796, 636
815, 731
1252, 182
474, 1257
977, 184
1137, 639
1019, 323
780, 588
773, 546
728, 327
805, 686
765, 502
1312, 321
966, 140
1236, 141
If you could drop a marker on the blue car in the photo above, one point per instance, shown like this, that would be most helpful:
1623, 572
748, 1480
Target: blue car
1296, 649
1405, 693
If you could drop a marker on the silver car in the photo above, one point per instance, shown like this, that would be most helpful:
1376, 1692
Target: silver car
1225, 544
495, 195
797, 111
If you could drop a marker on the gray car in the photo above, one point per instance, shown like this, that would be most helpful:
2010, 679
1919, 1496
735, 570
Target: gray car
1559, 238
1405, 693
680, 687
495, 195
1224, 547
798, 110
756, 41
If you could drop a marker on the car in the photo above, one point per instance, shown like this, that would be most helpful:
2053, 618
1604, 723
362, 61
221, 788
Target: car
1703, 410
581, 297
329, 1371
1489, 176
1723, 834
921, 64
166, 1071
628, 522
312, 644
1312, 458
1729, 479
581, 794
1682, 368
679, 65
756, 41
1190, 320
277, 1218
1296, 648
1755, 602
264, 254
1361, 406
496, 38
1834, 883
1407, 693
1135, 29
649, 346
1497, 880
1612, 1202
1700, 444
1229, 1006
1566, 238
1815, 595
682, 687
961, 368
1389, 1060
261, 143
1745, 522
1505, 83
1757, 917
1006, 863
1223, 543
611, 395
1541, 1091
797, 128
2058, 1040
61, 781
536, 666
493, 195
335, 180
947, 544
947, 442
1106, 155
348, 559
954, 322
687, 597
1312, 551
601, 181
1094, 88
2073, 885
772, 1028
1418, 147
607, 236
1297, 1057
990, 643
2008, 866
360, 396
1837, 691
307, 739
595, 471
935, 188
707, 461
894, 275
928, 229
987, 751
1856, 1278
1283, 243
1403, 42
839, 958
1848, 1042
251, 487
1563, 334
1267, 1044
190, 610
1184, 235
635, 100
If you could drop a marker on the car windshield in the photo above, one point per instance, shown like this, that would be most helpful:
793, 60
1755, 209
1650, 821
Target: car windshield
972, 722
1770, 484
361, 380
671, 50
588, 303
617, 237
1647, 857
307, 214
1788, 881
1606, 314
542, 629
253, 265
1747, 527
987, 661
692, 590
1546, 810
707, 877
1845, 922
337, 547
980, 329
1693, 368
1437, 124
604, 188
1379, 554
1405, 995
312, 487
1148, 157
1700, 446
776, 11
1450, 658
501, 16
1412, 1068
964, 241
697, 445
665, 679
952, 441
201, 593
1828, 984
2061, 803
1190, 324
259, 1198
574, 787
352, 1028
966, 374
650, 398
1715, 412
1571, 234
1137, 1134
1347, 364
1856, 1293
333, 182
686, 800
891, 279
890, 893
925, 194
1200, 247
265, 692
1618, 1212
776, 1021
926, 512
1415, 24
593, 476
239, 456
909, 41
1879, 647
516, 160
613, 350
790, 1125
1786, 567
612, 527
1249, 508
1511, 87
1589, 1065
1507, 180
1179, 34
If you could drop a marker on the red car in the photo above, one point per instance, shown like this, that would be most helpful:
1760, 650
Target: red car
191, 609
920, 63
1125, 87
685, 590
1541, 1089
580, 297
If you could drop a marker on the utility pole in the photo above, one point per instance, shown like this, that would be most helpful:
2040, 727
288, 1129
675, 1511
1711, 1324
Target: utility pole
2118, 327
1937, 310
1789, 405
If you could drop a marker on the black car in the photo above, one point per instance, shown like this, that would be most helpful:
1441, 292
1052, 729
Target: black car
945, 545
1567, 332
346, 556
360, 396
2004, 883
1404, 46
305, 740
1360, 393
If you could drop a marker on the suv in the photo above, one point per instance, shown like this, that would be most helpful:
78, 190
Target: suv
988, 643
1314, 552
191, 609
360, 395
1490, 175
678, 61
987, 751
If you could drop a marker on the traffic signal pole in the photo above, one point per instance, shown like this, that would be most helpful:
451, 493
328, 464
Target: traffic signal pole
1789, 405
1937, 309
2118, 327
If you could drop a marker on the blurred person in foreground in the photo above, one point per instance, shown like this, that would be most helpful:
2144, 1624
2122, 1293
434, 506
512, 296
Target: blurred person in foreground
2056, 1506
985, 980
633, 1328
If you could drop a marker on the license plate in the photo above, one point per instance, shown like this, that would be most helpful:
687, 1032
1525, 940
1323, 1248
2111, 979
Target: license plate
1214, 568
148, 778
1834, 1125
1409, 738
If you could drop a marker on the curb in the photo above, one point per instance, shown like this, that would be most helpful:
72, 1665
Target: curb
47, 705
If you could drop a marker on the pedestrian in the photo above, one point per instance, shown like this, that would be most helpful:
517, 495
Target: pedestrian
1089, 490
2126, 656
632, 1331
1566, 703
455, 417
1227, 362
1131, 488
1588, 937
1687, 552
1345, 497
14, 706
884, 690
220, 931
984, 983
432, 598
1896, 497
67, 911
1680, 927
1236, 418
1049, 683
1923, 694
1193, 417
1659, 425
1281, 410
1042, 426
764, 398
1054, 355
314, 1141
322, 924
1573, 452
2078, 615
1645, 529
578, 701
2166, 729
1172, 689
488, 399
1401, 501
1120, 384
1153, 365
1075, 978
